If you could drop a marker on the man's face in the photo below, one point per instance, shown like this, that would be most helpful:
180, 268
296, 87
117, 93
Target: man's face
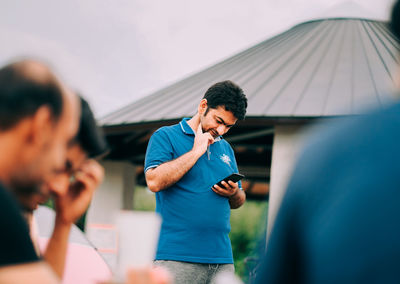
217, 121
55, 153
50, 154
59, 183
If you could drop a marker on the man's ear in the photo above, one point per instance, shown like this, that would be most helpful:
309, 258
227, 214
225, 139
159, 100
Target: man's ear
42, 125
202, 106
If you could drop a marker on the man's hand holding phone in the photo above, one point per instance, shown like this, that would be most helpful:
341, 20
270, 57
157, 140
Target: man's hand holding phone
228, 187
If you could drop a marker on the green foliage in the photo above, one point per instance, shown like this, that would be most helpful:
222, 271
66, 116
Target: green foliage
50, 203
144, 199
248, 223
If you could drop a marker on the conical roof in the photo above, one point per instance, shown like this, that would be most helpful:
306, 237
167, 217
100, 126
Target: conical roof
320, 68
348, 9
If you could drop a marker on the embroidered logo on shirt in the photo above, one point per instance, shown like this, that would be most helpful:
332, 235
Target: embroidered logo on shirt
225, 158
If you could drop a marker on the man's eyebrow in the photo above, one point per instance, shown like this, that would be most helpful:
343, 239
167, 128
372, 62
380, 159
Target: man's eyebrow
224, 123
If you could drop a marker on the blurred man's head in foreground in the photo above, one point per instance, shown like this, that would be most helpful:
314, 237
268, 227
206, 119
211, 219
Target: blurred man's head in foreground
38, 119
89, 143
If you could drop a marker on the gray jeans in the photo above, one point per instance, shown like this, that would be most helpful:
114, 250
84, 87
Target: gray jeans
193, 273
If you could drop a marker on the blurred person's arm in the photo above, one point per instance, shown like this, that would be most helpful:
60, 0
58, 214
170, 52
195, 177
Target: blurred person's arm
154, 275
69, 208
148, 275
168, 173
34, 273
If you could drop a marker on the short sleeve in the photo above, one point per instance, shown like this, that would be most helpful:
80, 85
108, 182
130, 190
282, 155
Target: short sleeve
159, 150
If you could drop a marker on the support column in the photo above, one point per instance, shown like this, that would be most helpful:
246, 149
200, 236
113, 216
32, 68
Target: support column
115, 193
129, 183
287, 144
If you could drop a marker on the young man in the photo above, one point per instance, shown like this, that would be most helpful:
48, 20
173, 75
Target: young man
38, 119
184, 163
72, 188
339, 220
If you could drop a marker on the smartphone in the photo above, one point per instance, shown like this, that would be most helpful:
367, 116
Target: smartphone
233, 177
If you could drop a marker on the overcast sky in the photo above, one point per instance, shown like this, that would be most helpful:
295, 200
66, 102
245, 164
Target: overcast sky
116, 51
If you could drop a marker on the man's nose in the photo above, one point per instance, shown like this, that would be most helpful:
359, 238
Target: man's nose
221, 129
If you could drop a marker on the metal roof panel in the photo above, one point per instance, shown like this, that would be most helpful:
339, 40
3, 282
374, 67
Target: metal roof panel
325, 67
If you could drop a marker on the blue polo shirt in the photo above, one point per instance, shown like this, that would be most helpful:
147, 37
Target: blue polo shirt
196, 220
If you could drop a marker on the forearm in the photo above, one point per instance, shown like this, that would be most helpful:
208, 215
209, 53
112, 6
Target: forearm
237, 200
169, 173
56, 251
37, 272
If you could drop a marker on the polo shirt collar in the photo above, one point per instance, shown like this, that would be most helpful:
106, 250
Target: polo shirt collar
185, 126
189, 131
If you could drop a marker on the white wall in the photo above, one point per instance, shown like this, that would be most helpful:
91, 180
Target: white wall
115, 193
288, 141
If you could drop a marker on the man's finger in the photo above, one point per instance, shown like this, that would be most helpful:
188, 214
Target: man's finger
93, 170
218, 187
210, 139
225, 185
214, 189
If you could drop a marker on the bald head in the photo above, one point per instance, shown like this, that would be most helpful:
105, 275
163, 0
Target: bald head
25, 86
39, 118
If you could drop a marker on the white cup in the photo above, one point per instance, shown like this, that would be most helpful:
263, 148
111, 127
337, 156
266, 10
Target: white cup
138, 234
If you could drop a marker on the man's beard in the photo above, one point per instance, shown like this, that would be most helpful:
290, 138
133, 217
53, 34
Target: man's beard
28, 193
25, 189
212, 131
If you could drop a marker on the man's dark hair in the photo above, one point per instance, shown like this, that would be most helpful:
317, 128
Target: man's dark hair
23, 93
229, 95
90, 137
395, 20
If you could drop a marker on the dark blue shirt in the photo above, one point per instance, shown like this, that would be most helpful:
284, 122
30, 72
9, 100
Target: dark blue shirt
339, 221
16, 244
